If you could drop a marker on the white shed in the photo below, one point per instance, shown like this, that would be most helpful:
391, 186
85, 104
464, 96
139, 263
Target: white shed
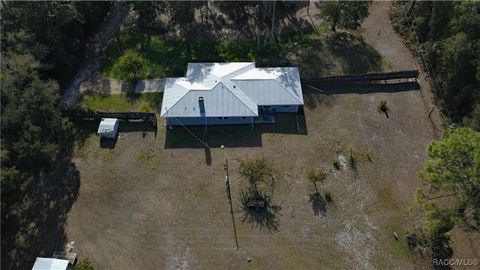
50, 264
108, 128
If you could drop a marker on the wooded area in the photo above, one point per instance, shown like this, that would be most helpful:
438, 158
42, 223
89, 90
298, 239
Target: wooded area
43, 44
446, 37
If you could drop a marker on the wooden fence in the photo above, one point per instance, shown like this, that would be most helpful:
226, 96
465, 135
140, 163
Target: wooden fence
368, 77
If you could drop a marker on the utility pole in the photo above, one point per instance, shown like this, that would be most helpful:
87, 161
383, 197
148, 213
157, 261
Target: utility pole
229, 194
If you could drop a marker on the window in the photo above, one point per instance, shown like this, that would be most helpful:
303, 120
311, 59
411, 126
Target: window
220, 118
225, 117
244, 117
266, 106
286, 106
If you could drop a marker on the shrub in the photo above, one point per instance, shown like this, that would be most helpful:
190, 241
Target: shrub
328, 197
84, 265
383, 107
129, 66
336, 164
316, 176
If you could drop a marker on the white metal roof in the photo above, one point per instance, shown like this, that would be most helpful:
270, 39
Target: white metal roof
230, 89
50, 264
107, 125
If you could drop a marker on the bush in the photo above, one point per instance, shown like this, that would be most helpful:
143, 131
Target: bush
129, 66
328, 197
336, 164
84, 265
383, 107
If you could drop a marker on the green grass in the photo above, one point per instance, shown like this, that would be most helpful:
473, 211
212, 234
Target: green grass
148, 102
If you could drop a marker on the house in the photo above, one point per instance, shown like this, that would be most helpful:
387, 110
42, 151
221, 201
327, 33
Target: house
108, 128
230, 93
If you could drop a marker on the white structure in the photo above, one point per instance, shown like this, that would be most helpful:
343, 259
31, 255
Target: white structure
50, 264
230, 93
108, 128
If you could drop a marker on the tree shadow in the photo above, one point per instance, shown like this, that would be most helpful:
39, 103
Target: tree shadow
318, 203
262, 218
358, 57
37, 226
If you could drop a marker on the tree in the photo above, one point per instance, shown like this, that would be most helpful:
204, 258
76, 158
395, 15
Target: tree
84, 265
449, 42
347, 15
453, 171
55, 33
33, 130
129, 65
316, 176
257, 172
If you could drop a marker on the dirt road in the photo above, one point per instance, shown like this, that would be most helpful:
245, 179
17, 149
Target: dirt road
95, 53
378, 32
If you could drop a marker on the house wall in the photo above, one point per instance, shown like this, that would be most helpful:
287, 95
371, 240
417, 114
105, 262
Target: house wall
282, 108
191, 121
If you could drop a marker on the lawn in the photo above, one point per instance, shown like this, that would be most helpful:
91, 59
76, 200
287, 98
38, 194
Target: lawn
161, 195
148, 102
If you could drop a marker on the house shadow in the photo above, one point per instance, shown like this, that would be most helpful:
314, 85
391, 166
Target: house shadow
233, 135
36, 227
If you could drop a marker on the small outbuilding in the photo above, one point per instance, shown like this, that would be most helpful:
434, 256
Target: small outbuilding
108, 128
50, 264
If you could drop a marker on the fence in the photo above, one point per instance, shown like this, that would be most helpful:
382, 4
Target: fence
383, 76
96, 116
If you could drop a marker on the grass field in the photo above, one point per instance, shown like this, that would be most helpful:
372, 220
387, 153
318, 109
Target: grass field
161, 195
148, 102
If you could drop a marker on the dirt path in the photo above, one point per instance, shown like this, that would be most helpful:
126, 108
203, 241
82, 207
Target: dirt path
378, 32
95, 52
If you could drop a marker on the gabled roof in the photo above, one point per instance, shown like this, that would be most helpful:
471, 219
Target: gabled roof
230, 89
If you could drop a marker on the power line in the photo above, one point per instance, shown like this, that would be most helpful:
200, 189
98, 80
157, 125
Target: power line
193, 134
